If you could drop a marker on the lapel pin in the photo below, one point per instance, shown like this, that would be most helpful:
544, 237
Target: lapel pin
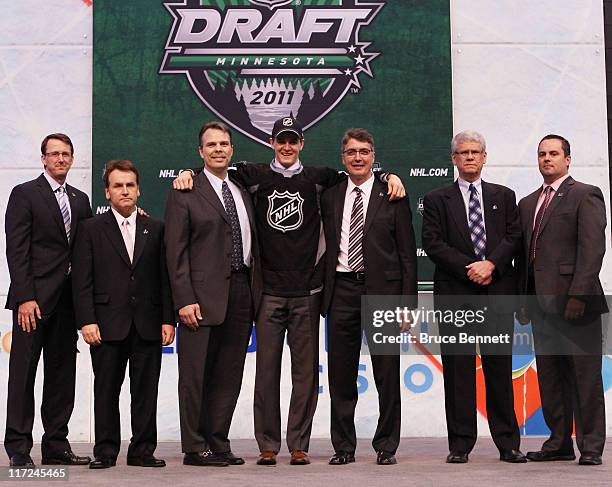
495, 207
73, 194
145, 231
380, 194
559, 195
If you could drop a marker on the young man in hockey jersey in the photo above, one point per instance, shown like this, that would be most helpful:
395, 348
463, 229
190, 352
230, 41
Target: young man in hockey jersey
286, 196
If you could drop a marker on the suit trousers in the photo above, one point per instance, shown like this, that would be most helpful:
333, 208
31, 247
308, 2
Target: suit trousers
55, 336
109, 361
344, 334
459, 372
571, 388
211, 364
298, 317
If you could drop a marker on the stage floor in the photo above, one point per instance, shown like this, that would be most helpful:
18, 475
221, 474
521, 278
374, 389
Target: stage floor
420, 462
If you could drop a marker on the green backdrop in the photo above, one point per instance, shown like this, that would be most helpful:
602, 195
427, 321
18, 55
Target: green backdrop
153, 119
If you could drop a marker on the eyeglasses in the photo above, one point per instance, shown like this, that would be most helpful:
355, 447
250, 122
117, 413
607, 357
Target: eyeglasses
354, 152
56, 155
467, 153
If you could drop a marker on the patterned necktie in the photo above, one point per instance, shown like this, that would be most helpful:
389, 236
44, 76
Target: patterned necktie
230, 208
538, 222
355, 250
127, 238
63, 204
477, 229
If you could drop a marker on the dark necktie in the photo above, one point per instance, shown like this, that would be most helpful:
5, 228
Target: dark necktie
538, 222
355, 251
477, 229
230, 208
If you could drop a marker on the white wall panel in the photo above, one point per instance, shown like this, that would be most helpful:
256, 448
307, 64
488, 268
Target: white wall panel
521, 69
527, 21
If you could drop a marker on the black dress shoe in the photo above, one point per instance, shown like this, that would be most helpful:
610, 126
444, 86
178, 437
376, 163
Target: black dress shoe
66, 458
385, 458
512, 456
588, 459
457, 457
146, 461
230, 458
100, 462
550, 456
342, 458
22, 460
204, 459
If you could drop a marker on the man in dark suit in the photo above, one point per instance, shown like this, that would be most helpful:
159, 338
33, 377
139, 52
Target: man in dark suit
563, 225
286, 196
471, 232
124, 310
370, 250
214, 272
42, 217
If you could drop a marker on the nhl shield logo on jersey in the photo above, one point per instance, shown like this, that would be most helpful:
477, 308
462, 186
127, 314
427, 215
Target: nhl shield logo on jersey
285, 210
253, 61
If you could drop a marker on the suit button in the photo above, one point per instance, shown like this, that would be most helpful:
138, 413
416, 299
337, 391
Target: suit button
132, 278
133, 299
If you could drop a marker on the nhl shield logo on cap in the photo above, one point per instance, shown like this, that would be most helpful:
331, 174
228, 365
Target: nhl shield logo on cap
285, 210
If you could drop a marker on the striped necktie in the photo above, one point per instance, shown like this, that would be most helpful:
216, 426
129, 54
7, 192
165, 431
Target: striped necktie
538, 222
477, 229
63, 204
355, 251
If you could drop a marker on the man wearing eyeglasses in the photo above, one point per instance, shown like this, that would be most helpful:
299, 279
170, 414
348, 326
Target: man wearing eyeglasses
286, 196
471, 232
370, 250
41, 222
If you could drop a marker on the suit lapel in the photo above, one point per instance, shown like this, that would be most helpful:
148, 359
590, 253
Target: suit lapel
51, 203
457, 210
142, 235
490, 210
564, 189
206, 191
74, 210
111, 229
339, 197
376, 198
531, 202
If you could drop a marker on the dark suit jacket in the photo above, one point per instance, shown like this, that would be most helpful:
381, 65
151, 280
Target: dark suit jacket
389, 248
569, 248
111, 291
37, 250
199, 248
447, 242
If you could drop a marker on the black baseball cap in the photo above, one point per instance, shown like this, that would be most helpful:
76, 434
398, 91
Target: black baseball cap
287, 124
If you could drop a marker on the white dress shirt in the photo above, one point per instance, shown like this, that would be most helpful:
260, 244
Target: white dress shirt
464, 187
555, 187
54, 185
243, 217
349, 199
131, 230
